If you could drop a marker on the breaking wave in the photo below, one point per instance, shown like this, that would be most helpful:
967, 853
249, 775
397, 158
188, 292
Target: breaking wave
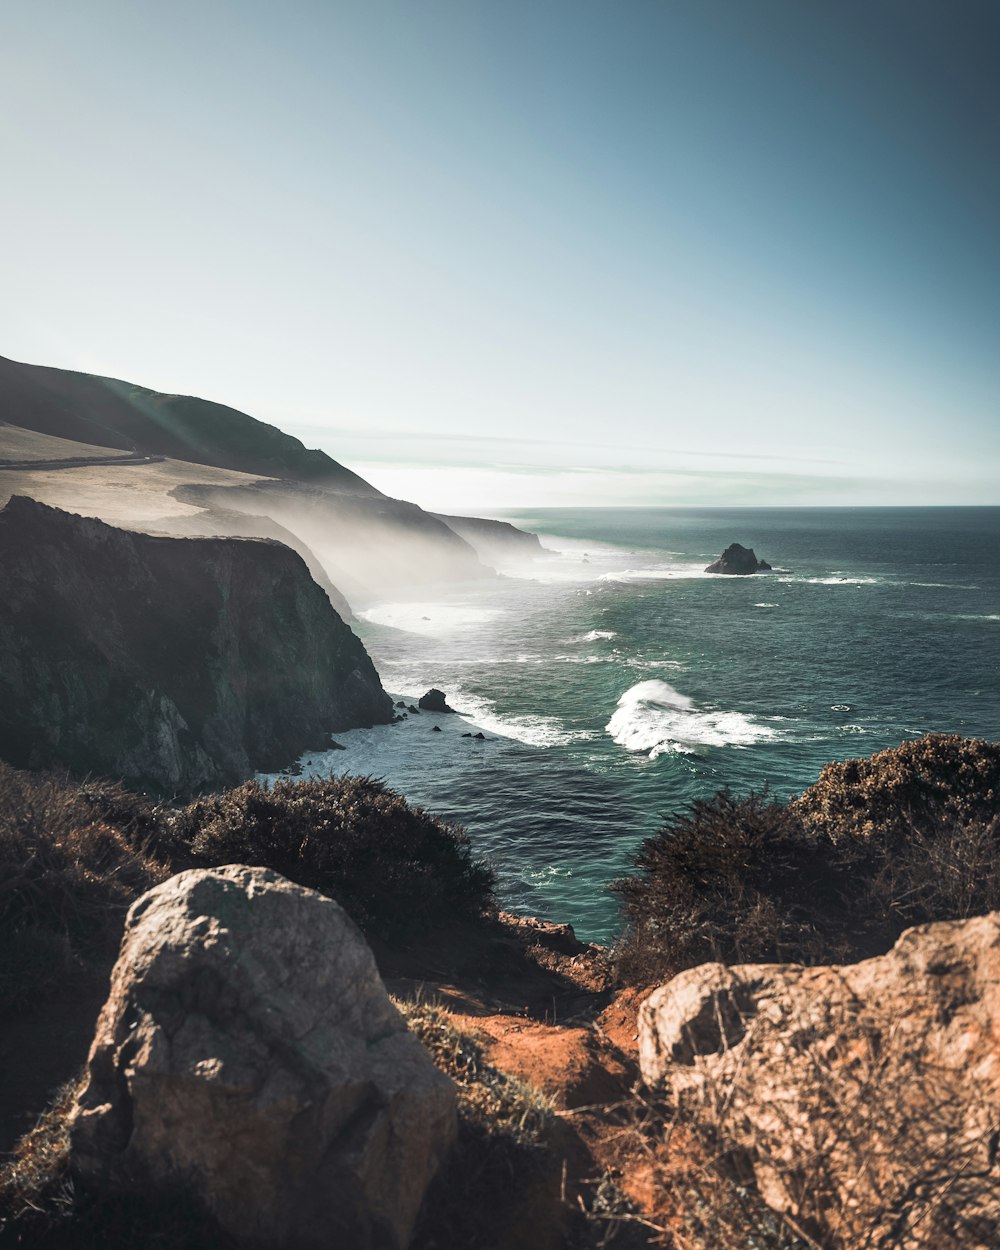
655, 718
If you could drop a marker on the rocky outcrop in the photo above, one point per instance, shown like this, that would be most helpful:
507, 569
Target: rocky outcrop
231, 524
365, 543
434, 701
175, 664
496, 542
248, 1055
862, 1099
739, 561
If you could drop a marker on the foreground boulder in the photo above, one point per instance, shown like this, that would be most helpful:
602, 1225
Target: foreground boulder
739, 561
862, 1099
249, 1059
174, 664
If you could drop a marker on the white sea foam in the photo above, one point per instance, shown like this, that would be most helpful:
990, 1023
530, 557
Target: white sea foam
431, 619
533, 730
835, 579
595, 635
654, 717
765, 605
658, 573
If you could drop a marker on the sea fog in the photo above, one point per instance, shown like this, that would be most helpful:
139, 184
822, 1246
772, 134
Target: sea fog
615, 681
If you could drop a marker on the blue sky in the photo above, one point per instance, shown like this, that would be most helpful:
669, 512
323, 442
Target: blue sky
529, 253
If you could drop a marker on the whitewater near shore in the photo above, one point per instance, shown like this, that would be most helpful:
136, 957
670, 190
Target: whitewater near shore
615, 680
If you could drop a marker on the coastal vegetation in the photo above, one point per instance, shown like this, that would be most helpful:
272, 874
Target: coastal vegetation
74, 857
908, 836
833, 876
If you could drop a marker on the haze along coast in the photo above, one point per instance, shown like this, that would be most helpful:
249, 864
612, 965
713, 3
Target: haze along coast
296, 1016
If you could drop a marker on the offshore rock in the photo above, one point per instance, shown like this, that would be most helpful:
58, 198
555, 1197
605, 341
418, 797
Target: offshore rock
434, 701
175, 664
248, 1058
861, 1099
739, 561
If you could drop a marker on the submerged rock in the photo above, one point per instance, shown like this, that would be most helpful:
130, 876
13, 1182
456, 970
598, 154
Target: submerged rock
738, 560
863, 1097
434, 701
249, 1058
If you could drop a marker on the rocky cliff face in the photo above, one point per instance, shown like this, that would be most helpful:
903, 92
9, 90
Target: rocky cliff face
175, 664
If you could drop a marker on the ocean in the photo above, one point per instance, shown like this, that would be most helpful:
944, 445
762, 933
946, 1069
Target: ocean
615, 681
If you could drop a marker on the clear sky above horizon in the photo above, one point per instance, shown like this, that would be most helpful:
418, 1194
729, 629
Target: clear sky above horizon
528, 253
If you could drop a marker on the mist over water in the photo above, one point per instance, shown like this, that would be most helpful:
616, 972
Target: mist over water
615, 681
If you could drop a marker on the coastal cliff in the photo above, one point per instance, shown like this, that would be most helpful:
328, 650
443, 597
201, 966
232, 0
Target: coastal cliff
173, 664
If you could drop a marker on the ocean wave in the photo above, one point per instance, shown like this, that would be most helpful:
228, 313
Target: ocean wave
655, 718
765, 605
595, 635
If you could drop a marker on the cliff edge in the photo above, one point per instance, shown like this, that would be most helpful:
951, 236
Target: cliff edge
175, 664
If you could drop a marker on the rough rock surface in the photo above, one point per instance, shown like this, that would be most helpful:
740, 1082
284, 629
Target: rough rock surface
434, 701
172, 663
248, 1052
863, 1098
739, 561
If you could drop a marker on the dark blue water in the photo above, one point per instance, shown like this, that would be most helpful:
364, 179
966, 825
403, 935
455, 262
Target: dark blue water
616, 682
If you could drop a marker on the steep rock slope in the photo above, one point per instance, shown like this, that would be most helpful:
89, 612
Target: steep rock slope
497, 542
111, 413
367, 545
175, 664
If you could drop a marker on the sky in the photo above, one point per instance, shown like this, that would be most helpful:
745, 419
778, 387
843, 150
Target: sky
528, 252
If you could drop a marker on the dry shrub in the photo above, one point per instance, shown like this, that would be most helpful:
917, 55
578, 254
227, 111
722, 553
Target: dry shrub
923, 785
72, 860
396, 870
734, 879
909, 836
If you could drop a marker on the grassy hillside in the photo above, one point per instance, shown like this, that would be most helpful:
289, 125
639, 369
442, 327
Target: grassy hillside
107, 412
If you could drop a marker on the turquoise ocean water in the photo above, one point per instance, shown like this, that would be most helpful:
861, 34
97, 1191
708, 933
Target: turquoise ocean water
615, 681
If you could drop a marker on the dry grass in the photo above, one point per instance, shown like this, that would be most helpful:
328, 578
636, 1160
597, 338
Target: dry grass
501, 1186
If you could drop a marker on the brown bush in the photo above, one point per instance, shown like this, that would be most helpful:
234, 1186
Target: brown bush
72, 860
398, 871
909, 836
738, 880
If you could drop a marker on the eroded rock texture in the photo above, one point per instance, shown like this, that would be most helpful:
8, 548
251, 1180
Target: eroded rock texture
862, 1099
175, 664
248, 1056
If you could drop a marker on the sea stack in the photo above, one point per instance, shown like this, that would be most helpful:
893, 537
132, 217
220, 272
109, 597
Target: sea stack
739, 561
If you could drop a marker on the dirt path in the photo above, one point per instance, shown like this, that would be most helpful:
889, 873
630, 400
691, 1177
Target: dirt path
81, 462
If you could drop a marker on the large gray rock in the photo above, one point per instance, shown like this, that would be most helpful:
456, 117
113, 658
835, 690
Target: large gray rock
863, 1099
248, 1055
